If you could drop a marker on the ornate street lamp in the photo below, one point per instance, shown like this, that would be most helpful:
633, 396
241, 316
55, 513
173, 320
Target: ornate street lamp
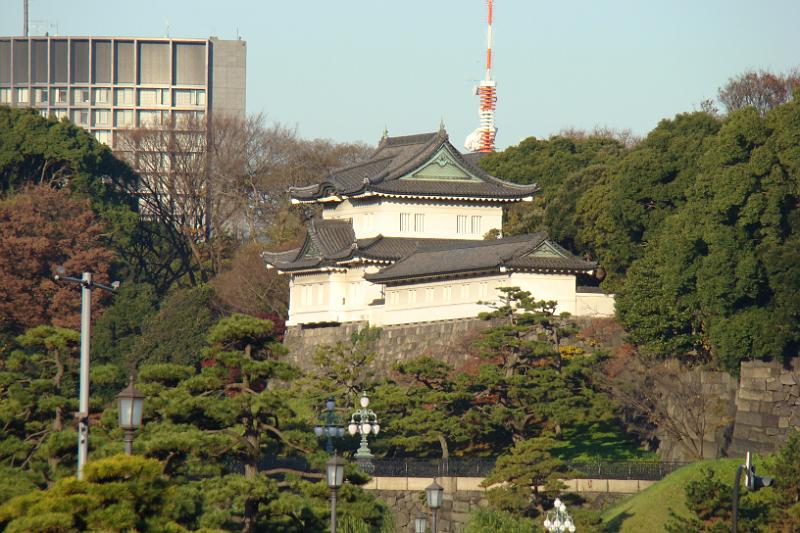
558, 520
420, 524
434, 493
365, 422
131, 404
335, 478
329, 426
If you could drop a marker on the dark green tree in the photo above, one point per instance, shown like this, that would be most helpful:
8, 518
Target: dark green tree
627, 205
528, 387
121, 493
718, 280
38, 393
177, 332
524, 468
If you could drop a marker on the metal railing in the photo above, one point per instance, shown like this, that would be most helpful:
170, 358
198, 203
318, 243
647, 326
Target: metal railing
480, 467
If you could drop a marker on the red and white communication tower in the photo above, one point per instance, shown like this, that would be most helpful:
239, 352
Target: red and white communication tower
482, 139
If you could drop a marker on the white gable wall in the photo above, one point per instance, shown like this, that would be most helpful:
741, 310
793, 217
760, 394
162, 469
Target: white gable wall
334, 296
400, 218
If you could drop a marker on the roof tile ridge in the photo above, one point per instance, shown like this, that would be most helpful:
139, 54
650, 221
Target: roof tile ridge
393, 141
431, 146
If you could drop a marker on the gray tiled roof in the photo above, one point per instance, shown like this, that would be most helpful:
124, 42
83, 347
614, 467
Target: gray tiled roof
333, 242
399, 156
485, 256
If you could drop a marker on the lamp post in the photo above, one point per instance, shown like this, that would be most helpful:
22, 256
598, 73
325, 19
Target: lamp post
330, 425
86, 329
365, 422
558, 520
420, 524
335, 478
752, 483
434, 493
130, 403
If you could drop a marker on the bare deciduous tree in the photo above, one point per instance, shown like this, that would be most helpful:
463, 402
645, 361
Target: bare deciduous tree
762, 90
665, 400
224, 178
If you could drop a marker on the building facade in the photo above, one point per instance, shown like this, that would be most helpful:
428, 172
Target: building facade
402, 240
106, 84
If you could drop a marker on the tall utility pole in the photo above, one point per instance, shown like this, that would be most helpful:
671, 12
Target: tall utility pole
24, 18
83, 410
86, 331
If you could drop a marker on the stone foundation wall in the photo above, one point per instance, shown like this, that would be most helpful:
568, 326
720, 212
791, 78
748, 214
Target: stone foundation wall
767, 406
453, 516
754, 414
447, 339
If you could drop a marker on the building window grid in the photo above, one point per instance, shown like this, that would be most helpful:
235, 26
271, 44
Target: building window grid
80, 96
23, 96
101, 96
5, 96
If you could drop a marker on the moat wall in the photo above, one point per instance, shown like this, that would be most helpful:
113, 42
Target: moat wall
755, 413
445, 339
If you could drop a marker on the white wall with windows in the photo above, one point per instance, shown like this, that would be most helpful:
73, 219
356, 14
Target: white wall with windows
341, 295
419, 219
344, 295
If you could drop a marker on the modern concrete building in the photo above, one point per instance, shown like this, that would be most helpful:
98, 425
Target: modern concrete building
105, 84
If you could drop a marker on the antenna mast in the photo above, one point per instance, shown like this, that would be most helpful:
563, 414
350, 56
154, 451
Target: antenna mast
24, 18
482, 139
487, 91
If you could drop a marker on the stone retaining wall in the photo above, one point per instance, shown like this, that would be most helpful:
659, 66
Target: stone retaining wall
405, 496
447, 339
767, 406
754, 414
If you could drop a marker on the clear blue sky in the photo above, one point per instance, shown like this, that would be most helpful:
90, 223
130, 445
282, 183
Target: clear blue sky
342, 70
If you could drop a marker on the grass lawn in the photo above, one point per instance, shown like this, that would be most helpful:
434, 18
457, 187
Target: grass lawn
648, 511
602, 442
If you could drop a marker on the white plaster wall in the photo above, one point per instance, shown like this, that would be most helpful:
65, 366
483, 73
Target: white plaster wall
440, 219
558, 287
593, 304
347, 297
440, 300
336, 296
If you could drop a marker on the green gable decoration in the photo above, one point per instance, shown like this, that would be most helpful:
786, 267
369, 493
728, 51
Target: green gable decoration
441, 167
545, 250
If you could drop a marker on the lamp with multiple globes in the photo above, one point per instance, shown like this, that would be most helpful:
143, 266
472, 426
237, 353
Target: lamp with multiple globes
364, 421
329, 426
558, 520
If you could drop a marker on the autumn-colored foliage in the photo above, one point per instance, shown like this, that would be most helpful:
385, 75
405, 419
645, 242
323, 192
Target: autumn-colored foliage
41, 228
